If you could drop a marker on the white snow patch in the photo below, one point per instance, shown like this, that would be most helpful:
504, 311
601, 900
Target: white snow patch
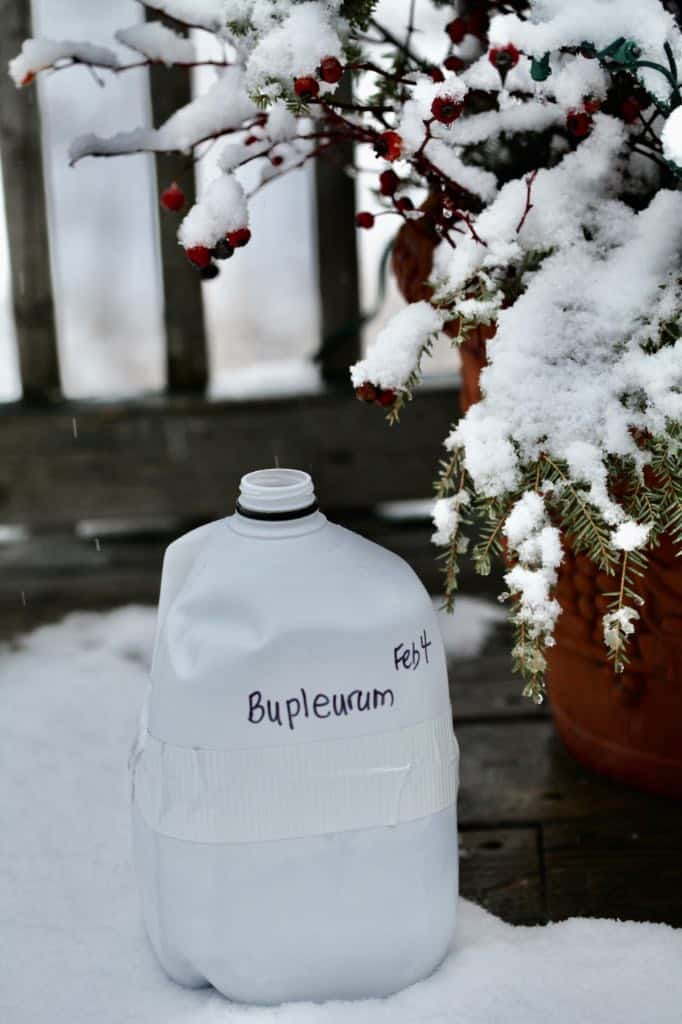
571, 369
446, 514
269, 378
222, 208
671, 137
467, 627
629, 536
208, 14
222, 108
402, 511
554, 24
295, 47
37, 54
157, 42
73, 944
397, 349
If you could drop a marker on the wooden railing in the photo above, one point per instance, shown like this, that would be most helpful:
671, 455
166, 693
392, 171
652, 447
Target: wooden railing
180, 454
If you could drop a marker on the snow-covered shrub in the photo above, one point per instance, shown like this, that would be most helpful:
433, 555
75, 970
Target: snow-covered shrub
549, 139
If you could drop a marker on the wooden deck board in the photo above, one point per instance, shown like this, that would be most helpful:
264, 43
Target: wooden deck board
500, 870
615, 867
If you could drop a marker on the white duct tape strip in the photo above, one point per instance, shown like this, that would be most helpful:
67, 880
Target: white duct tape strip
249, 795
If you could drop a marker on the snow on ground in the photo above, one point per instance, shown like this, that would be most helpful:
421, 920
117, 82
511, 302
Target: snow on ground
72, 948
466, 630
268, 377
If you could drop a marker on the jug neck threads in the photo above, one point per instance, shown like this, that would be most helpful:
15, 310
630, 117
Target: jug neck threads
274, 495
276, 517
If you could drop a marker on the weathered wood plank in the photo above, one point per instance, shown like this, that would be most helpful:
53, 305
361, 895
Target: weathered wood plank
486, 688
25, 206
182, 457
186, 359
58, 572
501, 870
616, 866
337, 260
518, 773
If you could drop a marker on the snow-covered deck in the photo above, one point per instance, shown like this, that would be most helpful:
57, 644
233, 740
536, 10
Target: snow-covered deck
540, 839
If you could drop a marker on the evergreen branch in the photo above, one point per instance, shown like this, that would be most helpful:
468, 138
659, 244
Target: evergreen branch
492, 543
604, 557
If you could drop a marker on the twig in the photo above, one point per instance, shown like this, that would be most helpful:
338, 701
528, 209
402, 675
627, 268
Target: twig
410, 25
92, 66
652, 156
529, 206
474, 234
390, 38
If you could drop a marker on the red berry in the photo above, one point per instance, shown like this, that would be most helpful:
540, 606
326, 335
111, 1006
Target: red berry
173, 198
238, 238
364, 219
366, 392
578, 123
591, 104
457, 29
306, 88
453, 63
629, 109
330, 70
385, 396
388, 182
504, 58
436, 74
405, 203
446, 109
276, 160
250, 139
389, 145
199, 255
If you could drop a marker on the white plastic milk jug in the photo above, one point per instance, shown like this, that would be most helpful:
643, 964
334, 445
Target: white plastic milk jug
294, 784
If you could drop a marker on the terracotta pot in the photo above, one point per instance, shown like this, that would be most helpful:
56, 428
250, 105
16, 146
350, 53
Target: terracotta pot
627, 726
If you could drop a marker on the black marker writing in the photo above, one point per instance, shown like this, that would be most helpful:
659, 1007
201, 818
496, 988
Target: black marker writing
409, 656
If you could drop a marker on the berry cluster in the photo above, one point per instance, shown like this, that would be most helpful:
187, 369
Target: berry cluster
203, 257
389, 183
307, 87
368, 392
626, 99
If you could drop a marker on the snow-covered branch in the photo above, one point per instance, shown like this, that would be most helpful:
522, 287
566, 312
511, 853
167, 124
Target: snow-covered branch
547, 144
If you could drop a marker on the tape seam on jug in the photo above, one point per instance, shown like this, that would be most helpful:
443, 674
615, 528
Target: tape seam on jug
284, 792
